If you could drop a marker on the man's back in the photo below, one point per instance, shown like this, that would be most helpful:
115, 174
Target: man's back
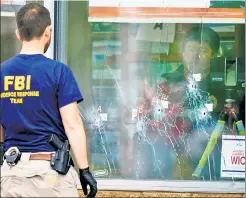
31, 94
39, 97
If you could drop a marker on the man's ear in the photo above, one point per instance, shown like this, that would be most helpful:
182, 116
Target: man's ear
17, 33
47, 32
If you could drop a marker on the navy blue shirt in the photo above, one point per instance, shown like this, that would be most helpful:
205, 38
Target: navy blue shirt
33, 88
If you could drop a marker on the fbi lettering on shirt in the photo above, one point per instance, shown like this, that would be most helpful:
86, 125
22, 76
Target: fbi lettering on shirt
20, 87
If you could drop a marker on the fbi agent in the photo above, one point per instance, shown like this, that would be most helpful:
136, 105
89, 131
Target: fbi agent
40, 117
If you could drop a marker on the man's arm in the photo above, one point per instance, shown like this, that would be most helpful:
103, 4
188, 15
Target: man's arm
74, 129
75, 132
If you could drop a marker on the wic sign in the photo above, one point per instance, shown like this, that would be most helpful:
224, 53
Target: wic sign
233, 156
238, 160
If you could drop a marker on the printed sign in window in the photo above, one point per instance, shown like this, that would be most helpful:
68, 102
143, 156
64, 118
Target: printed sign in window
233, 156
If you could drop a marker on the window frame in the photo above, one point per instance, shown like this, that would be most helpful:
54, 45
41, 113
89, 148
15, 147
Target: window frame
186, 186
61, 16
50, 6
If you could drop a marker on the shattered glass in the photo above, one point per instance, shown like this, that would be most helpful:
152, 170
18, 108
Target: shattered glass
154, 99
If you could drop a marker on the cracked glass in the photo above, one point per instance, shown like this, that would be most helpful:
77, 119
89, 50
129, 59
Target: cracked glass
159, 96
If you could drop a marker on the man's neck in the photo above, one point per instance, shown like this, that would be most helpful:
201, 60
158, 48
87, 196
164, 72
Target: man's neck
32, 47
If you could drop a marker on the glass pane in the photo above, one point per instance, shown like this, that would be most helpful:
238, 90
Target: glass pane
10, 46
154, 94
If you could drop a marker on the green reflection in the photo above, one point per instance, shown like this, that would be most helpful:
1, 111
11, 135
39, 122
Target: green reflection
227, 4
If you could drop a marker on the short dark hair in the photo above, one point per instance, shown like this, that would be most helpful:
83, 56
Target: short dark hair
204, 34
32, 20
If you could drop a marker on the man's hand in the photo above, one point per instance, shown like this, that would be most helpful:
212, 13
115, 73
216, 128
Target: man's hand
86, 178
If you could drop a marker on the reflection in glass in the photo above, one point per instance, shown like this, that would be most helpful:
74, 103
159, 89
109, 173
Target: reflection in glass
155, 101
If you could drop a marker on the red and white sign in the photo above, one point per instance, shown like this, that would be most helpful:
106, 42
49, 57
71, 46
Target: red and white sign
152, 3
159, 11
233, 156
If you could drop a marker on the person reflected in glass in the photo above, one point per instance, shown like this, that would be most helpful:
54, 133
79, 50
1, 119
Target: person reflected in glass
171, 131
192, 79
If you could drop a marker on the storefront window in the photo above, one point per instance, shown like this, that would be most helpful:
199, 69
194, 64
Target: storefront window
155, 93
159, 94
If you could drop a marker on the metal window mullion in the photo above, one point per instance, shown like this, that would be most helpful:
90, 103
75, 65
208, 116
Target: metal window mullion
49, 4
61, 24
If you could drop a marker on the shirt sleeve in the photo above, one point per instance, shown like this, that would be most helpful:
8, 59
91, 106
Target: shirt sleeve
68, 89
